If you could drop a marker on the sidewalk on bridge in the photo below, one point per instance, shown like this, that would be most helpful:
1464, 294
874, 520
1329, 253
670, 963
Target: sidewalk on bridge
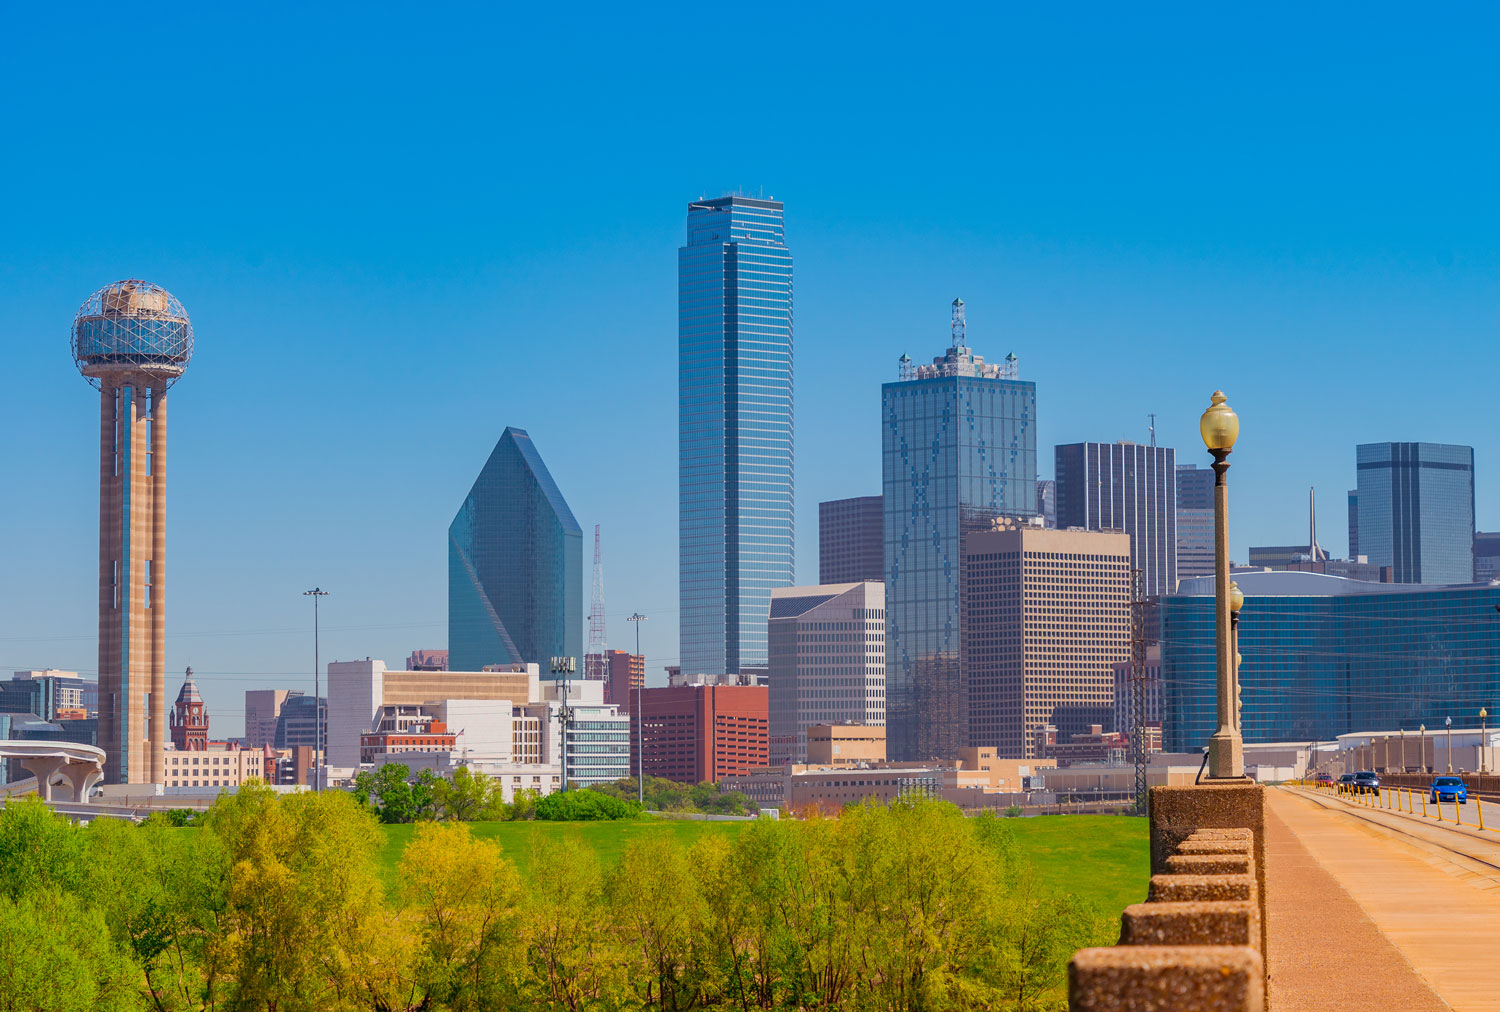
1325, 953
1369, 909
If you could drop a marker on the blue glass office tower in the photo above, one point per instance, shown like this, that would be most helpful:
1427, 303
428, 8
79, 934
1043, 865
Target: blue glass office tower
1324, 656
735, 517
515, 565
958, 450
1414, 510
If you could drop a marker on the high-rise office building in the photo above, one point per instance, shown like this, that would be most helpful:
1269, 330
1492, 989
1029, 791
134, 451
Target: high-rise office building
1324, 656
515, 565
625, 675
735, 474
1354, 523
827, 661
1416, 510
958, 450
132, 341
1046, 501
262, 712
701, 732
1486, 557
851, 545
1124, 487
1195, 521
1046, 619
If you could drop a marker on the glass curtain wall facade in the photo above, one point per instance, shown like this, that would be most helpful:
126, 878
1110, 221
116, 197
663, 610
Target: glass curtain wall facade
958, 450
515, 565
1124, 487
735, 462
1324, 656
1414, 510
851, 540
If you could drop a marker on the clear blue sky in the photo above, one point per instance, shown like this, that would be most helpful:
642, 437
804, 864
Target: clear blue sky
398, 232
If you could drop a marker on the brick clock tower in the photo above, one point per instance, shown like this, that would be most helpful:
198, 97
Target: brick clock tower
190, 718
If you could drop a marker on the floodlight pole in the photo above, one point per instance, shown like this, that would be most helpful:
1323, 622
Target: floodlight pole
640, 734
316, 593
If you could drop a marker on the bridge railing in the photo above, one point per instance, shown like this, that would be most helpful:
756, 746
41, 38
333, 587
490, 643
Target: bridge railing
1198, 942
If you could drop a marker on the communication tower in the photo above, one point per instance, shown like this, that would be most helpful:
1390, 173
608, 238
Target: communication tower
132, 340
594, 662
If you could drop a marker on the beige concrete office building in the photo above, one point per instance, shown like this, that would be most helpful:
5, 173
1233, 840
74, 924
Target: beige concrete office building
1046, 616
827, 661
262, 708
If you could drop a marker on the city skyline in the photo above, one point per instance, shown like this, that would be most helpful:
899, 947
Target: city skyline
338, 472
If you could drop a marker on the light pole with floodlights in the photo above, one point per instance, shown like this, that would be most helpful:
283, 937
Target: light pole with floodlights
1422, 746
1449, 721
316, 593
1220, 427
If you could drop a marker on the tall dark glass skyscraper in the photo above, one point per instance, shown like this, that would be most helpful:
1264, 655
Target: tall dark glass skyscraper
515, 565
1414, 510
958, 450
1124, 487
735, 487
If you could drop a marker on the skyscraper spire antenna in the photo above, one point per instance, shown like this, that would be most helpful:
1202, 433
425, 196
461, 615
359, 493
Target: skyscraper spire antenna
960, 325
1153, 428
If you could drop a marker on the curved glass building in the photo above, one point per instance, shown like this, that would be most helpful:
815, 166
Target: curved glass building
1324, 656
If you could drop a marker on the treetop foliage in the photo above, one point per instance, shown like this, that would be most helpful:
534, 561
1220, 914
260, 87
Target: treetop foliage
276, 902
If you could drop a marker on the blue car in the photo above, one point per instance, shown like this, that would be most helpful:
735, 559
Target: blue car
1450, 789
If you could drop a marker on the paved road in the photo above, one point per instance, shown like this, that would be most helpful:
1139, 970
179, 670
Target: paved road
1431, 890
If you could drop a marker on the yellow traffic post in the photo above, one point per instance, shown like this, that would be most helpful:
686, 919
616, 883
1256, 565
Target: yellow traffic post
1438, 800
1479, 810
1458, 811
1424, 806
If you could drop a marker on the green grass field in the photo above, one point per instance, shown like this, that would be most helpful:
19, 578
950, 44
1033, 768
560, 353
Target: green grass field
1102, 858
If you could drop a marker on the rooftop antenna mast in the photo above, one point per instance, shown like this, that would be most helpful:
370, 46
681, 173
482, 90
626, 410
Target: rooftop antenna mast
960, 325
1153, 428
594, 656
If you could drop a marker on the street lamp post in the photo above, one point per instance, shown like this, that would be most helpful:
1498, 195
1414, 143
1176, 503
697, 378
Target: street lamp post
640, 718
1220, 427
1236, 602
1484, 740
317, 769
1403, 750
1422, 746
1449, 721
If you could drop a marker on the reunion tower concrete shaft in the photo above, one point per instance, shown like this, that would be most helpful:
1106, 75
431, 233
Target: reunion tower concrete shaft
132, 340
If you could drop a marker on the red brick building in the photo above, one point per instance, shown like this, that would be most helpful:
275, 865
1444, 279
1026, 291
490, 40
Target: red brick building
624, 673
435, 737
694, 733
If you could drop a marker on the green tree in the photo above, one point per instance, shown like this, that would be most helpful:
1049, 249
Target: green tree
39, 850
57, 955
572, 956
584, 806
657, 905
465, 899
465, 798
163, 893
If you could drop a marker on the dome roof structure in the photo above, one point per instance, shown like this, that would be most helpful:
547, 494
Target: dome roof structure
132, 328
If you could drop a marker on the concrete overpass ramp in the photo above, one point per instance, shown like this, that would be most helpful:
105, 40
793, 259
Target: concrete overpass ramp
63, 771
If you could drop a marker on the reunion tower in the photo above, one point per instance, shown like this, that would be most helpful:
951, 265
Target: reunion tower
132, 340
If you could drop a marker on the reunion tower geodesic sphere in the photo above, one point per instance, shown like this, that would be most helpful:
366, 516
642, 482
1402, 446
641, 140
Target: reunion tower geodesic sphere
132, 329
